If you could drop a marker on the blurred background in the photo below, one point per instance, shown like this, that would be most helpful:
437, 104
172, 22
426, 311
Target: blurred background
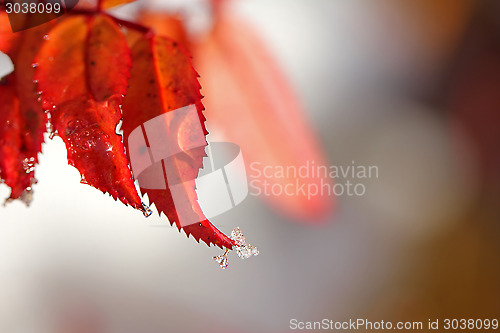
412, 87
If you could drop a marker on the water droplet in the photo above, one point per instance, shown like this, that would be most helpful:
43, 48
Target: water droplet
146, 210
238, 237
29, 164
89, 144
27, 196
118, 128
46, 37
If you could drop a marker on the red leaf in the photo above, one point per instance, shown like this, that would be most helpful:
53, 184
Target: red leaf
23, 120
10, 138
163, 90
82, 72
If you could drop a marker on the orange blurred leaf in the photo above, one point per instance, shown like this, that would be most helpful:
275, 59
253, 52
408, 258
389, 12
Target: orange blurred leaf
250, 100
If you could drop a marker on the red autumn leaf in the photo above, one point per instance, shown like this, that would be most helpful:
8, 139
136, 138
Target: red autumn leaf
82, 72
10, 138
162, 84
23, 121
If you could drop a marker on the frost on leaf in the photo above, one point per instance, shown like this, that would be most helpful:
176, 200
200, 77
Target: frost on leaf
243, 249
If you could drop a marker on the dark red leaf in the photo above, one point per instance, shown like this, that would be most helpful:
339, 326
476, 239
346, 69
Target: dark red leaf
163, 83
10, 139
23, 120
